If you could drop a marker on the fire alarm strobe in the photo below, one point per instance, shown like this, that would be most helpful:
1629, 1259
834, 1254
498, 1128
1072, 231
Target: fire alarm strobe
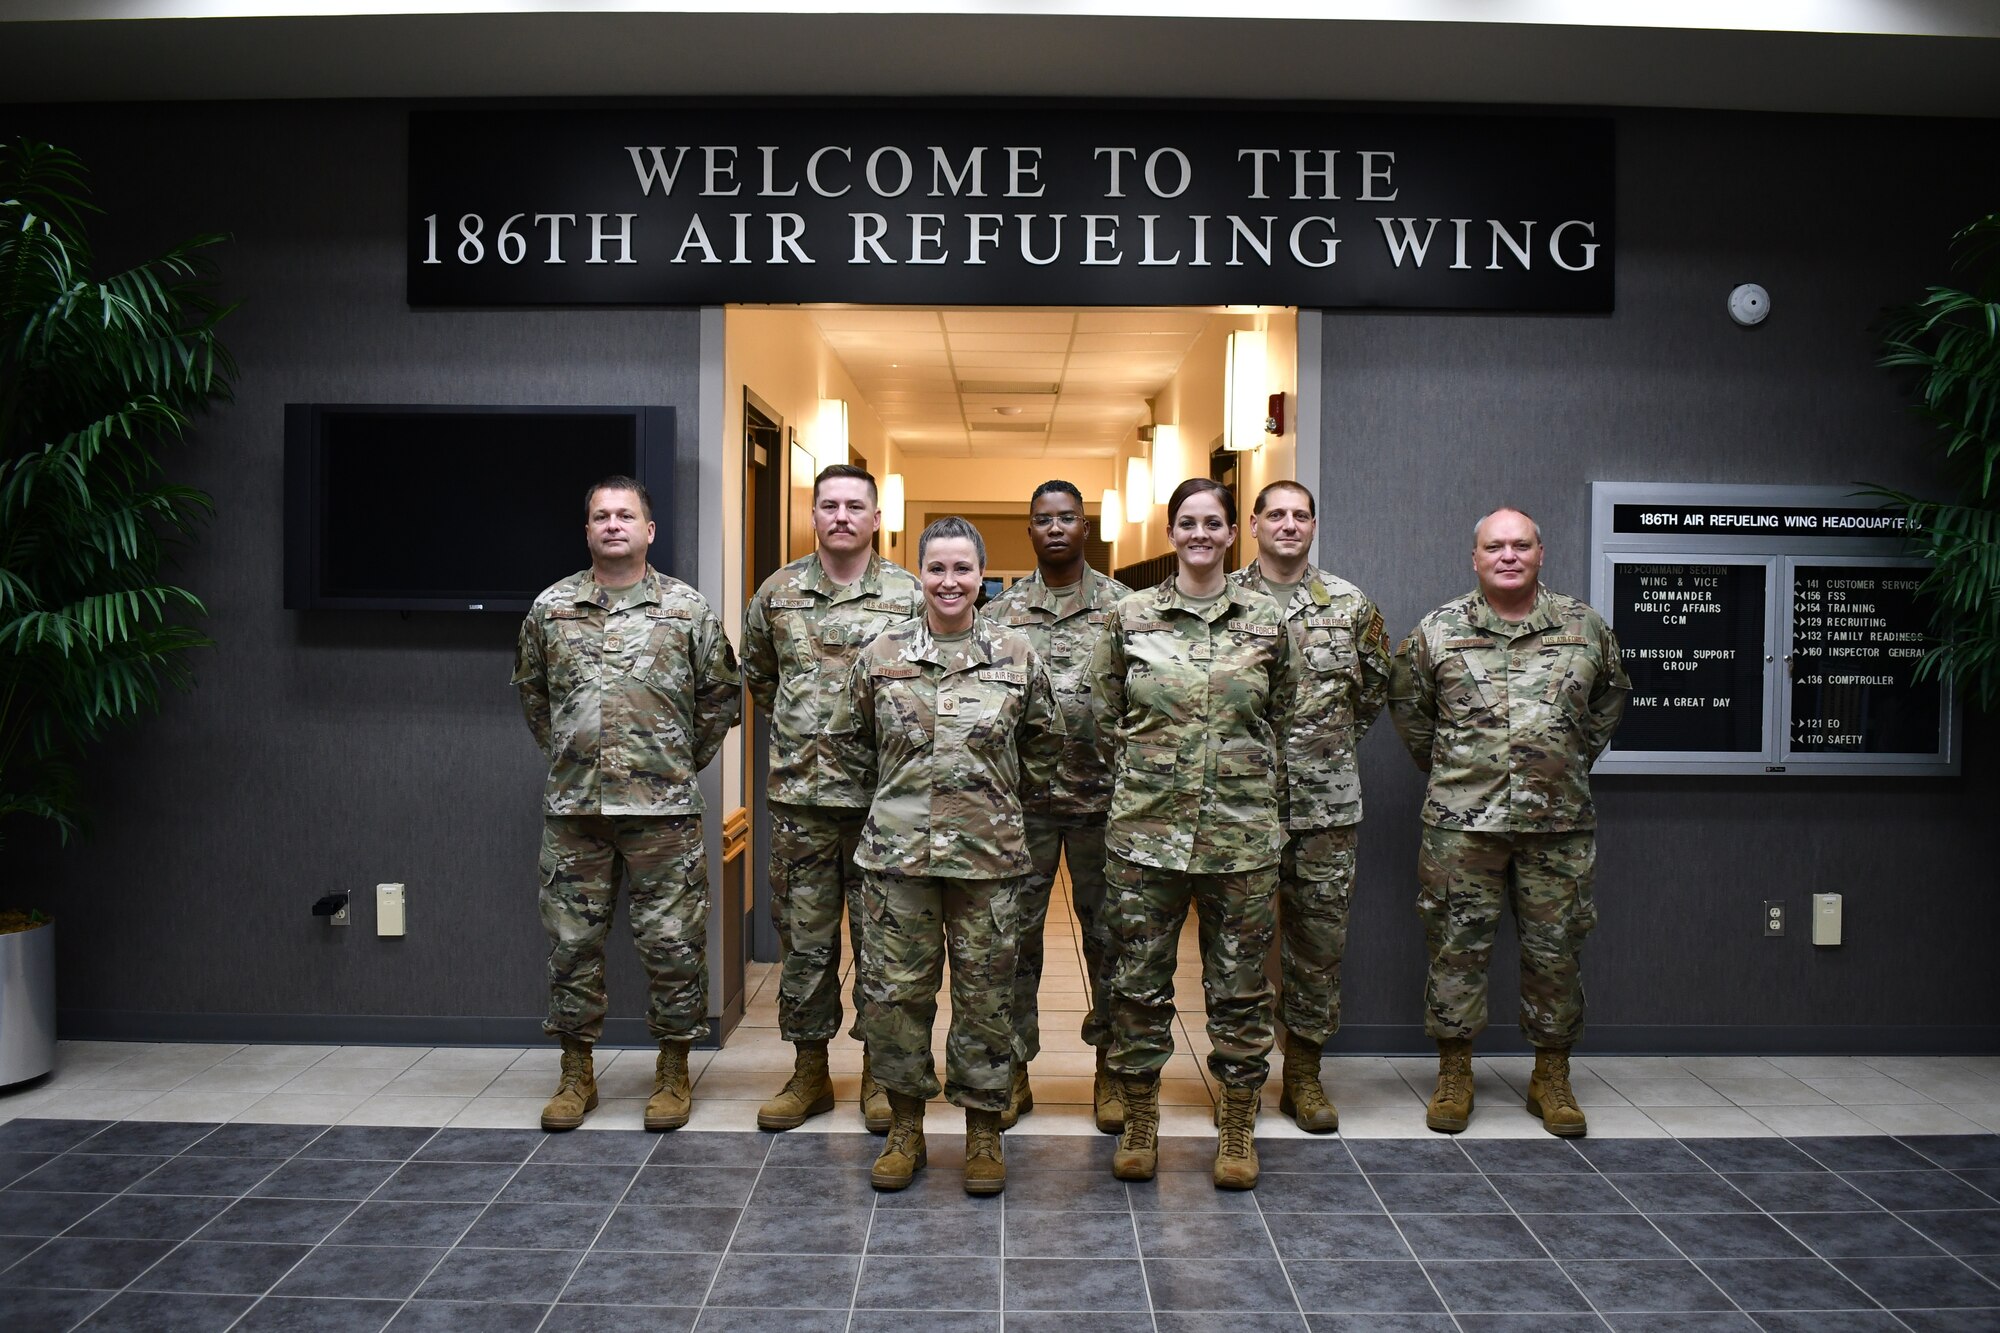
1749, 304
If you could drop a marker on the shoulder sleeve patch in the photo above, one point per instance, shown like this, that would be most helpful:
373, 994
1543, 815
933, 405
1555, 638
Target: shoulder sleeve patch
1453, 645
791, 603
895, 670
1012, 675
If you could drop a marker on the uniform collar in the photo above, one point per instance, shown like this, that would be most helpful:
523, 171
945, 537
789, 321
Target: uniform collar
1542, 616
647, 591
1167, 597
816, 579
974, 650
1036, 595
1311, 590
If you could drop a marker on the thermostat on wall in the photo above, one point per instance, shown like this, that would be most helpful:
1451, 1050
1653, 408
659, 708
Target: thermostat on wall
1749, 304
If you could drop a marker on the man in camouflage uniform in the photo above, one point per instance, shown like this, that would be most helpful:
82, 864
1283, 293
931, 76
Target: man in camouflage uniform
1062, 608
947, 719
801, 632
1191, 696
1343, 674
1506, 697
629, 686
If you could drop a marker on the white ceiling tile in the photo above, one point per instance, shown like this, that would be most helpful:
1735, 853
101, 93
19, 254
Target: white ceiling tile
1008, 365
1141, 321
877, 321
1009, 342
1009, 321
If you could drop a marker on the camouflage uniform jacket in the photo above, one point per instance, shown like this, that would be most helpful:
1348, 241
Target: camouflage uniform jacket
1190, 706
1343, 669
1507, 718
629, 694
948, 736
1064, 638
801, 632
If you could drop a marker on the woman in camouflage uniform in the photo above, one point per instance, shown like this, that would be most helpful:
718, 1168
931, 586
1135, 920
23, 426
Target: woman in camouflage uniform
946, 718
1193, 683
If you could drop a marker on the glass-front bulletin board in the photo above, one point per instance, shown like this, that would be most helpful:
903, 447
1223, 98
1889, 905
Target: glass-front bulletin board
1766, 629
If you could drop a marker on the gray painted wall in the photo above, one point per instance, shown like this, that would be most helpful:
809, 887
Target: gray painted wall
336, 751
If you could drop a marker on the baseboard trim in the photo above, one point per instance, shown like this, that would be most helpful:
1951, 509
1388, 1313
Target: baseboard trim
1694, 1039
343, 1029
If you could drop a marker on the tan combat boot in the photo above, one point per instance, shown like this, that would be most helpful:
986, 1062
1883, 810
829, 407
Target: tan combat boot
874, 1098
903, 1154
1138, 1154
673, 1095
1551, 1097
1303, 1099
985, 1159
1235, 1140
576, 1094
1020, 1099
809, 1091
1107, 1099
1450, 1109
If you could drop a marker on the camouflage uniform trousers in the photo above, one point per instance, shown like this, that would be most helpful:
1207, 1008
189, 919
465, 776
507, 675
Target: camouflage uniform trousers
1315, 885
665, 865
1465, 879
1237, 912
813, 877
1079, 839
911, 922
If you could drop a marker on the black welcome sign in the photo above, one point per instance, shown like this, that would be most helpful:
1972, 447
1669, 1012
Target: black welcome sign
938, 204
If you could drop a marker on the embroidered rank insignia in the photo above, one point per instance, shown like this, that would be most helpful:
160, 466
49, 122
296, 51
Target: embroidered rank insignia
947, 705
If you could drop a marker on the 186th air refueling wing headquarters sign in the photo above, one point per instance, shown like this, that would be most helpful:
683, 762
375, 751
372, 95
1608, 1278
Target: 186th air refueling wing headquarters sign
946, 204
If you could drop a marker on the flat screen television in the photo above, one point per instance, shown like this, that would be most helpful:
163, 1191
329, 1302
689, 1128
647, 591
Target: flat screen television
421, 508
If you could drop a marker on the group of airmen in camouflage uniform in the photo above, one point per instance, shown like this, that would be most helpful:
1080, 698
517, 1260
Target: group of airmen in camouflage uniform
933, 763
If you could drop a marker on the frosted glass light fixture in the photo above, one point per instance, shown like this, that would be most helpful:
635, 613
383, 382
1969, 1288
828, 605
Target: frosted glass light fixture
1138, 490
1110, 514
829, 444
1245, 399
1166, 461
893, 509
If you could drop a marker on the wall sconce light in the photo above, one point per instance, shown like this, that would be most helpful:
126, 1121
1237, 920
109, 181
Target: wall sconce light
829, 444
1110, 515
1138, 490
893, 508
1245, 400
1166, 461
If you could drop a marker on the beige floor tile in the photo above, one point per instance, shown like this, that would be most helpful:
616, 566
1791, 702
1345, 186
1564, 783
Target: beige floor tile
1984, 1114
384, 1109
1647, 1093
436, 1081
339, 1082
275, 1056
142, 1075
1185, 1121
750, 1084
14, 1105
184, 1104
1384, 1122
527, 1083
251, 1078
1813, 1121
1712, 1067
1952, 1086
1508, 1120
1611, 1068
616, 1113
393, 1058
1368, 1092
1931, 1119
293, 1108
1867, 1089
96, 1104
1624, 1122
1819, 1066
503, 1113
1779, 1090
1718, 1122
493, 1058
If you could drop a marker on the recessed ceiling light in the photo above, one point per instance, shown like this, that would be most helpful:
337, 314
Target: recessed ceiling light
1008, 411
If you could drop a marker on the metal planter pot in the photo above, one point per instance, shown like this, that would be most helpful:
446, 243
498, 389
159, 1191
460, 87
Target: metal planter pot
27, 1004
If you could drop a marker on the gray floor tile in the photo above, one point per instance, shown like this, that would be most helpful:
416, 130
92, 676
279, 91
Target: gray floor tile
782, 1281
712, 1149
776, 1320
1220, 1236
29, 1134
444, 1182
1961, 1233
1406, 1155
15, 1248
1320, 1156
538, 1226
150, 1217
1787, 1284
803, 1230
693, 1186
1065, 1191
610, 1147
1525, 1156
587, 1318
1953, 1151
1835, 1321
383, 1143
1952, 1321
1802, 1192
1235, 1285
928, 1321
903, 1282
1532, 1323
1381, 1323
1909, 1191
1649, 1156
246, 1140
848, 1150
329, 1178
88, 1262
1600, 1236
203, 1175
1480, 1236
1862, 1152
677, 1230
1711, 1322
1061, 1152
503, 1146
567, 1183
145, 1138
919, 1231
1528, 1286
1732, 1236
14, 1165
1291, 1192
494, 1275
1986, 1181
1181, 1153
104, 1174
643, 1279
1332, 1236
1204, 1321
166, 1312
1053, 1235
285, 1314
1751, 1155
1094, 1285
1645, 1285
1363, 1285
1920, 1284
396, 1223
1858, 1235
1543, 1193
382, 1272
34, 1213
935, 1188
468, 1317
1681, 1192
23, 1310
1437, 1193
225, 1268
285, 1221
1191, 1192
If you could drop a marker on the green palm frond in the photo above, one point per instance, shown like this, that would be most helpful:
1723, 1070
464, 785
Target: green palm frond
97, 375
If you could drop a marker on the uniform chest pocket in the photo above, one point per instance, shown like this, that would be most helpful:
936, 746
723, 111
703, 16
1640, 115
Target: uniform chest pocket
1464, 680
904, 713
1148, 768
989, 704
1572, 671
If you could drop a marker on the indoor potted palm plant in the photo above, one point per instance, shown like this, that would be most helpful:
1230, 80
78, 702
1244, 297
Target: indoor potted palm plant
96, 376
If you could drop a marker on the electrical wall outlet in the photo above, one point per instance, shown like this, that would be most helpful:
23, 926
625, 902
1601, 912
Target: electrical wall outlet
389, 902
1774, 916
339, 918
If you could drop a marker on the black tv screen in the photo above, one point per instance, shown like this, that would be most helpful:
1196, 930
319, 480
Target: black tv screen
454, 508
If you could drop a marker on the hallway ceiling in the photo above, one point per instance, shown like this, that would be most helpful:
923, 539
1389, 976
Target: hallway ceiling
1010, 383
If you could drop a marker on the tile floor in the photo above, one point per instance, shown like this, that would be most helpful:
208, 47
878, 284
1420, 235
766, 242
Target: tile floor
160, 1186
